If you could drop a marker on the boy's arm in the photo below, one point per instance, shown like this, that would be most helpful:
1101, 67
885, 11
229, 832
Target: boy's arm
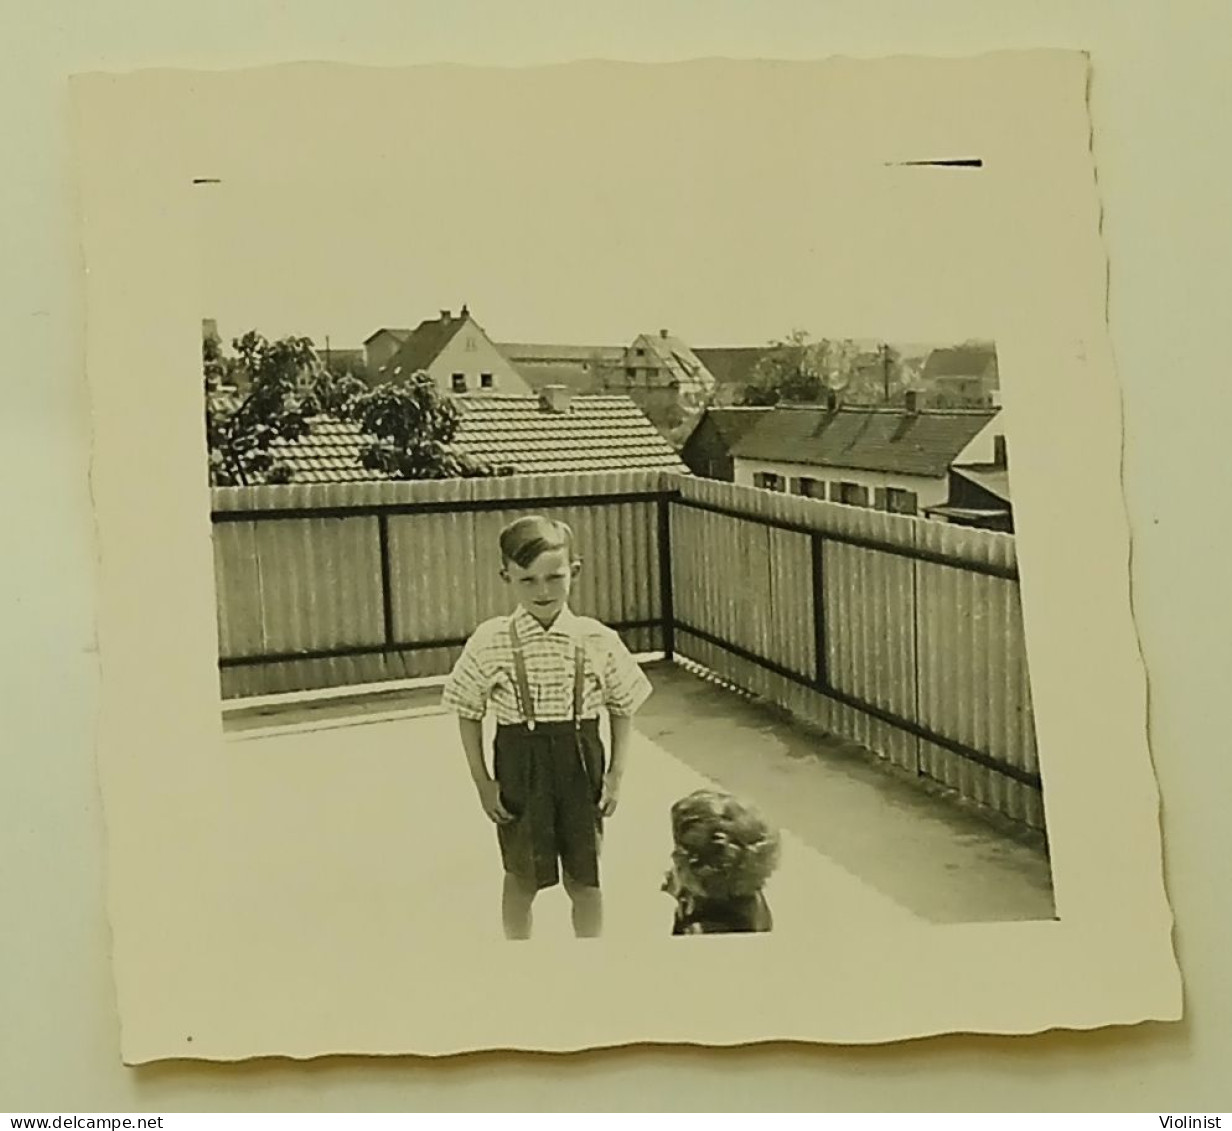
625, 689
465, 693
471, 732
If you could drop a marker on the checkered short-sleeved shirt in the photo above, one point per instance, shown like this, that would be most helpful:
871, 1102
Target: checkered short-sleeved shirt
484, 675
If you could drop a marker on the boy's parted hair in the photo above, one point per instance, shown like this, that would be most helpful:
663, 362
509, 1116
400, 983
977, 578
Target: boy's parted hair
723, 847
524, 539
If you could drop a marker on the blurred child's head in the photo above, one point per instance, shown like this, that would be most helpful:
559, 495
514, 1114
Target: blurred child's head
723, 847
538, 561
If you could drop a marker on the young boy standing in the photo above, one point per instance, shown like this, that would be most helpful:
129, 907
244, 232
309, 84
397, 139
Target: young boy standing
546, 673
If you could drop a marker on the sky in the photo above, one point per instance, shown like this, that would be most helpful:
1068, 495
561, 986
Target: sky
621, 210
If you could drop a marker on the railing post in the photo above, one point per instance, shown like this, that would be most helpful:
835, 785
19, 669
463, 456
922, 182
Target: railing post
820, 648
387, 603
667, 608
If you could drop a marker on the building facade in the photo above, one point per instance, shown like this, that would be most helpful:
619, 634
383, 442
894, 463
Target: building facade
456, 352
893, 459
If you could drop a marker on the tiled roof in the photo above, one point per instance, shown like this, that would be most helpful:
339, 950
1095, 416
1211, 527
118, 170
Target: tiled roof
328, 454
732, 423
732, 365
678, 356
960, 361
869, 439
546, 354
597, 434
399, 332
424, 344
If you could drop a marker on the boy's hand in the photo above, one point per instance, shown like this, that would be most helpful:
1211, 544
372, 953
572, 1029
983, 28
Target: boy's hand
609, 796
489, 798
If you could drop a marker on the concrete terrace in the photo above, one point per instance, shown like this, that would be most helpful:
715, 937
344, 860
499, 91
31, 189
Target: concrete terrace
862, 844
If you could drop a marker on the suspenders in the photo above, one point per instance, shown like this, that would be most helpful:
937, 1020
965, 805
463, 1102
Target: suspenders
526, 700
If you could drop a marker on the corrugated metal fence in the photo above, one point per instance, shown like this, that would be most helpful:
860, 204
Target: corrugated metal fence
340, 584
902, 634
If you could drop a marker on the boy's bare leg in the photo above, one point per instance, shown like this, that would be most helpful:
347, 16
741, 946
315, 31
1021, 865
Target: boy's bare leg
587, 908
517, 895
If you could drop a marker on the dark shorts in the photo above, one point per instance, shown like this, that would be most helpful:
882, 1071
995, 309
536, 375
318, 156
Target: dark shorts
550, 779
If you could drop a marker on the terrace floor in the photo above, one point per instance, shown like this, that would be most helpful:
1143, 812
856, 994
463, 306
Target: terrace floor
861, 841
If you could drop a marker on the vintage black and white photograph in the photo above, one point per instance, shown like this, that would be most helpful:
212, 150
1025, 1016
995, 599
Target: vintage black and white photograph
668, 632
650, 530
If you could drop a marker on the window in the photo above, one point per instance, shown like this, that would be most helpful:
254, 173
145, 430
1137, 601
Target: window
630, 372
999, 454
898, 501
810, 488
853, 494
459, 382
485, 380
769, 481
471, 344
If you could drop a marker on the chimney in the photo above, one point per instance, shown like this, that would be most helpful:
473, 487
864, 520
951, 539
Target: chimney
662, 333
555, 398
446, 315
912, 398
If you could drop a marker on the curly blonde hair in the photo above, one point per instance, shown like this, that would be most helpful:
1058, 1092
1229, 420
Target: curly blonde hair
723, 847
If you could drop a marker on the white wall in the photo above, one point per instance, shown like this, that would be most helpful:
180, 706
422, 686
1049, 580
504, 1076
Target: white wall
929, 492
981, 449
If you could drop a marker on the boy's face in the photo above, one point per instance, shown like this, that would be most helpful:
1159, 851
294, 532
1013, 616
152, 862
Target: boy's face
543, 586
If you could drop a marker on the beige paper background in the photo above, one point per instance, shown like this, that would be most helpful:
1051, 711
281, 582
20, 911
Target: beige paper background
62, 1032
221, 948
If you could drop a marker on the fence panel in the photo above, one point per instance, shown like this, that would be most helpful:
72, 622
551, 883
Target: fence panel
921, 623
332, 585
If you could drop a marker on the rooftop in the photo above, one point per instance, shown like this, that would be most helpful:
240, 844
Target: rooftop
399, 332
733, 422
865, 438
423, 345
600, 433
992, 478
883, 851
547, 354
971, 360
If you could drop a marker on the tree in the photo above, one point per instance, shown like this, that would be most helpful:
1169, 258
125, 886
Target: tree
242, 427
880, 378
412, 428
799, 370
333, 392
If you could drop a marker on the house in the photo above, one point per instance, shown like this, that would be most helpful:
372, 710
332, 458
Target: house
456, 353
554, 431
578, 368
963, 375
381, 345
666, 379
708, 450
979, 495
892, 458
